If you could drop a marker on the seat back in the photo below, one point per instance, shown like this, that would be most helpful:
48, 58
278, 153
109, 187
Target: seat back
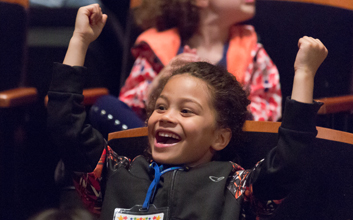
260, 137
325, 190
346, 4
280, 24
12, 43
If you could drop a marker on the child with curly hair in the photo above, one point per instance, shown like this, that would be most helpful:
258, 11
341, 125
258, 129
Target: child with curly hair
193, 116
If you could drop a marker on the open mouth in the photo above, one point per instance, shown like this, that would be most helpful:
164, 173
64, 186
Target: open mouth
163, 137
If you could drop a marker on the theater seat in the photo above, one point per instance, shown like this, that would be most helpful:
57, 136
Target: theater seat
16, 100
280, 23
325, 190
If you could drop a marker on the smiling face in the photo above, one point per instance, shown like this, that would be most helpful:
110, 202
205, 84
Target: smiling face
182, 127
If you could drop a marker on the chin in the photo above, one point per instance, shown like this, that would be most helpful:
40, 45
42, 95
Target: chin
158, 159
249, 11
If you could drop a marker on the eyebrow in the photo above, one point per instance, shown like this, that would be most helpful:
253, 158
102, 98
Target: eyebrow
184, 100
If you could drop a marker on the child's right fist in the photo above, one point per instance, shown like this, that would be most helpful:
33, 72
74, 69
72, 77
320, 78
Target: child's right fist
89, 23
312, 52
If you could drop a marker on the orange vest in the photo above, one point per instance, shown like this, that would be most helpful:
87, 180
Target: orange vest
165, 45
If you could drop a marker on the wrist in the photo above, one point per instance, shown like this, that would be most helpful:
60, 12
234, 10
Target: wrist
304, 75
305, 71
76, 52
79, 42
303, 86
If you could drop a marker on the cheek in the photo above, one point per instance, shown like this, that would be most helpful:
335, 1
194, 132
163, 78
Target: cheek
192, 126
152, 120
150, 126
199, 131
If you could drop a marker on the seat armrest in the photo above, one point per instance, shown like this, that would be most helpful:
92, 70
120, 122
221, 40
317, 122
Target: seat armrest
336, 104
90, 95
18, 97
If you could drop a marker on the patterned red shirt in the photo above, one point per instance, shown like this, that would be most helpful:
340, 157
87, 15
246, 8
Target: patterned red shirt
261, 80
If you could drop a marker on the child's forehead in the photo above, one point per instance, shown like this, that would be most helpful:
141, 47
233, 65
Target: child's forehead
190, 77
186, 85
186, 79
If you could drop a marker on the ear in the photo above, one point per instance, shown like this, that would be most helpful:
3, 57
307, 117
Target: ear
202, 3
222, 139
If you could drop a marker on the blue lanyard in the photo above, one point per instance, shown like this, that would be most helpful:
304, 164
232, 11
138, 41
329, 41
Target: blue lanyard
153, 186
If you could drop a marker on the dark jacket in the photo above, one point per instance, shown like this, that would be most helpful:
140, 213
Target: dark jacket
215, 190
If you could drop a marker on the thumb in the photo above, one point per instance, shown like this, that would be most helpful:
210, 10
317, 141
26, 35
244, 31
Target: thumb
188, 49
104, 19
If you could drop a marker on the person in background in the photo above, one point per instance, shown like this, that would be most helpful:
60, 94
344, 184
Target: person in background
193, 30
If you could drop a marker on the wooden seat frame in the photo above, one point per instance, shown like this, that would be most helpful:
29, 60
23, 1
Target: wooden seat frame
251, 126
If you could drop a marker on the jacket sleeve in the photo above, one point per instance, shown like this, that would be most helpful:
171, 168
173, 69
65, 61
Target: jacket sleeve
276, 175
262, 82
79, 144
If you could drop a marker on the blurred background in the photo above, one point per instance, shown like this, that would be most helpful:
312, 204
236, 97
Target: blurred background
34, 34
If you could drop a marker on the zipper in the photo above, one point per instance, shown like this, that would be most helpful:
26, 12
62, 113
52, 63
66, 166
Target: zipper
171, 192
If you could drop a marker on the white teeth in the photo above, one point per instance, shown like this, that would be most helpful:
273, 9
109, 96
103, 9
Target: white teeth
162, 134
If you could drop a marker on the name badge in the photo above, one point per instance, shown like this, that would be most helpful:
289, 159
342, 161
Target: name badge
137, 213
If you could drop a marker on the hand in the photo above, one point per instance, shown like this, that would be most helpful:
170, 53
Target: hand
310, 56
89, 23
187, 49
188, 55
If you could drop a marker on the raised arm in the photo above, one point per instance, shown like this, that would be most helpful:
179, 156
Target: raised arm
281, 169
80, 145
89, 24
309, 57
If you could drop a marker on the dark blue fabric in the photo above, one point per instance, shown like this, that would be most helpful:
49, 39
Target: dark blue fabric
181, 49
222, 62
109, 114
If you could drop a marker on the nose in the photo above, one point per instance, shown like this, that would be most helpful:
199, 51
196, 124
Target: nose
168, 116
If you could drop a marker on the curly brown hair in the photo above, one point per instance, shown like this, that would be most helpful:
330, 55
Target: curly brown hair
166, 14
228, 98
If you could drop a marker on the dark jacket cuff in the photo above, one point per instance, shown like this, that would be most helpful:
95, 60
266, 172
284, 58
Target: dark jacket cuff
68, 79
300, 116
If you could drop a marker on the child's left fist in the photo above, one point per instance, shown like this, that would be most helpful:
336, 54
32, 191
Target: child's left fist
312, 52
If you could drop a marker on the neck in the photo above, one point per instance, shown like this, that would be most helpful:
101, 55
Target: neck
212, 31
210, 38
